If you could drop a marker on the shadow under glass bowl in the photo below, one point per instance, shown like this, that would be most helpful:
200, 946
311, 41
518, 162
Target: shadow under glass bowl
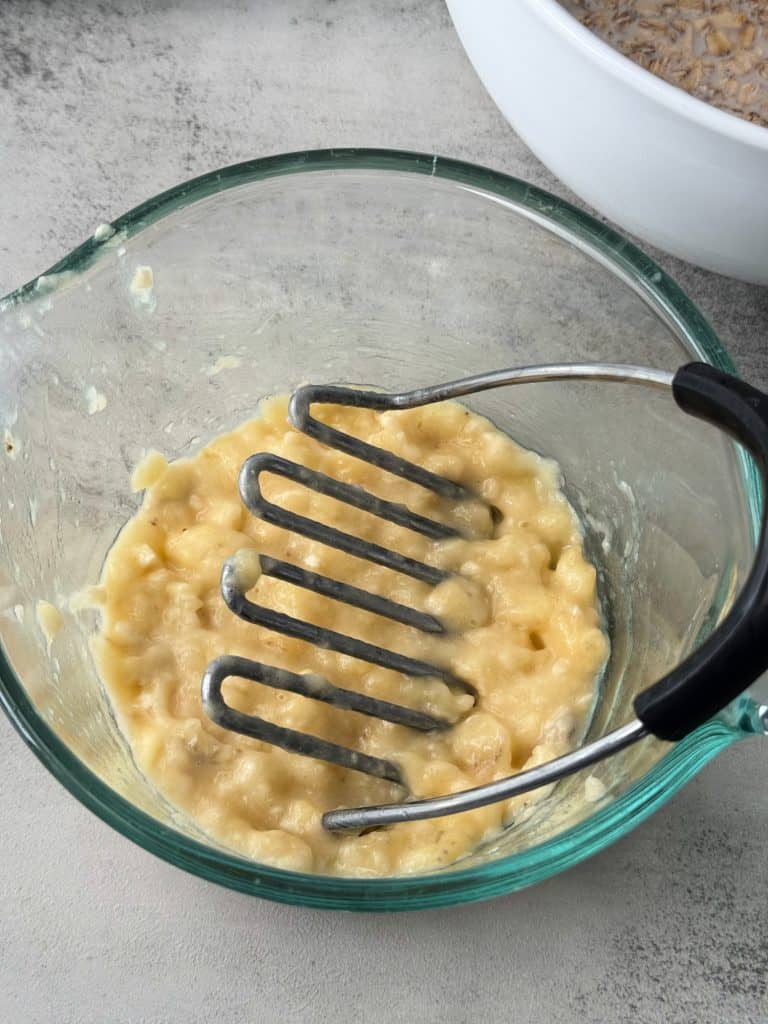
370, 267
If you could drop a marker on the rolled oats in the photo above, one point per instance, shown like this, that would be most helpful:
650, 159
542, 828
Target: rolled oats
714, 50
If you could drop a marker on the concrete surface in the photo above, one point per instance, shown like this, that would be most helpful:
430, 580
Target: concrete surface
104, 104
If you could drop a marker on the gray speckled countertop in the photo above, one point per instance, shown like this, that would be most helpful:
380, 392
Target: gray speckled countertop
102, 105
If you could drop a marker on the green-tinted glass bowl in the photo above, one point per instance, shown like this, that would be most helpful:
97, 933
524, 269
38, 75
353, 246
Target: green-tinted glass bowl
374, 267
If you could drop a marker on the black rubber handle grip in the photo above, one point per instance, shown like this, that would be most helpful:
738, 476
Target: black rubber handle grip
736, 653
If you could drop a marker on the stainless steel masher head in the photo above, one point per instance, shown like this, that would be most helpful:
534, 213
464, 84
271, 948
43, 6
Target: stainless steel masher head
725, 664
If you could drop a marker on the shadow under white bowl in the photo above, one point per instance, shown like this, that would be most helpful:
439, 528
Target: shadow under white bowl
670, 168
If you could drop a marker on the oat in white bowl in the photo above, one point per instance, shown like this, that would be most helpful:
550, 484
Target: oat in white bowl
717, 52
678, 172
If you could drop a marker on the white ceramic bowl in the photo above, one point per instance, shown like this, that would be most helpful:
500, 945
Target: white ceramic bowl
675, 171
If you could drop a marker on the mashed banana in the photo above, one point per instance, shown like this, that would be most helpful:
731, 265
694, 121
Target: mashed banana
523, 610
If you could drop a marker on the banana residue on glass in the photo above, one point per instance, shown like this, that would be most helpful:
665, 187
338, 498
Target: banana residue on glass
49, 620
521, 612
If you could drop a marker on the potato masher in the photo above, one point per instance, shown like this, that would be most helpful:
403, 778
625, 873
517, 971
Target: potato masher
725, 664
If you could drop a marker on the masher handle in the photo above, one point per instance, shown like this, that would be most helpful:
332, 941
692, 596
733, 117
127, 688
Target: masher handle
736, 653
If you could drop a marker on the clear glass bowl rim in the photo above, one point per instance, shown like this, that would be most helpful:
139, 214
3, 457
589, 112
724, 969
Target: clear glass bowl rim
506, 874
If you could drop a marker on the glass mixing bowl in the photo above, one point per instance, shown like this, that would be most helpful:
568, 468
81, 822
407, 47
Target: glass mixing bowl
387, 269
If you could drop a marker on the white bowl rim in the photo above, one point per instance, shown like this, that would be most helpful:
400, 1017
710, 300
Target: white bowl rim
655, 88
